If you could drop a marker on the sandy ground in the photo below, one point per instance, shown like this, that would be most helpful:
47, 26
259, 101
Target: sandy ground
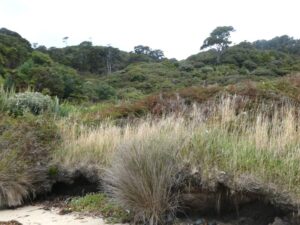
36, 215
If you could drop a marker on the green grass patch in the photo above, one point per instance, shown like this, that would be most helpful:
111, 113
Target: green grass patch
99, 203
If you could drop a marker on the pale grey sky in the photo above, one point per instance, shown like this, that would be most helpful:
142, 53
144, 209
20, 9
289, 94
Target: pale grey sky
178, 27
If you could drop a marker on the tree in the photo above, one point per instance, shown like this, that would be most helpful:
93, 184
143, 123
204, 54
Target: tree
142, 50
218, 39
109, 59
156, 54
14, 50
113, 56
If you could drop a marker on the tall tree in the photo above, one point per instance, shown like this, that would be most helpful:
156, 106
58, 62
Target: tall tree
109, 58
219, 39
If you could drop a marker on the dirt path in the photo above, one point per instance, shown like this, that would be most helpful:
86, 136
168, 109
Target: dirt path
36, 215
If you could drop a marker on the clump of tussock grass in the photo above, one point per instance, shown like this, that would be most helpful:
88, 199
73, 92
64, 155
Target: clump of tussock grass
5, 95
143, 175
25, 145
143, 161
13, 189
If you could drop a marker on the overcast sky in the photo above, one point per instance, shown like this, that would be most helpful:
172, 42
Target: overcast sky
178, 27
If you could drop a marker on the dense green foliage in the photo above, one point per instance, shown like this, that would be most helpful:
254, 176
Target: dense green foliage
14, 50
96, 73
99, 60
46, 76
283, 43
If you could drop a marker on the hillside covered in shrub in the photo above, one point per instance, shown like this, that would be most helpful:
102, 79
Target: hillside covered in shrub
95, 73
158, 139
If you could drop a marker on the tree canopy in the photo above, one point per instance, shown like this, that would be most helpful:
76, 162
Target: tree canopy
218, 38
156, 54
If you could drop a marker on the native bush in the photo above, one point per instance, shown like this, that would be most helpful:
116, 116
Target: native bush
33, 102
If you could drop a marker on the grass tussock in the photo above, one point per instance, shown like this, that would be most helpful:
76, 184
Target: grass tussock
4, 98
26, 144
143, 159
143, 175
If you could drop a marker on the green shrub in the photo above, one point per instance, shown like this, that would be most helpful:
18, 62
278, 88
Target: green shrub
33, 102
207, 69
138, 78
186, 67
263, 72
129, 93
281, 71
105, 92
250, 65
41, 58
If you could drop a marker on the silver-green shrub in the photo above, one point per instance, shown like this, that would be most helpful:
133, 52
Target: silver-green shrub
33, 102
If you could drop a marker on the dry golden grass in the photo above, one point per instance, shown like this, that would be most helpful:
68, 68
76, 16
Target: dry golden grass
142, 158
83, 145
222, 138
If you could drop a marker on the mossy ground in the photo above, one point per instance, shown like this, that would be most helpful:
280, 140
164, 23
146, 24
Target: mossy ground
100, 204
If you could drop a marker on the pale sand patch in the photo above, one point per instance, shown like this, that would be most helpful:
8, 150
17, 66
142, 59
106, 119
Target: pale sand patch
36, 215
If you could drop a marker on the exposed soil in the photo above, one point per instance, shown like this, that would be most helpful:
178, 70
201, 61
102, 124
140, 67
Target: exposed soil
255, 213
79, 187
224, 201
220, 202
67, 184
